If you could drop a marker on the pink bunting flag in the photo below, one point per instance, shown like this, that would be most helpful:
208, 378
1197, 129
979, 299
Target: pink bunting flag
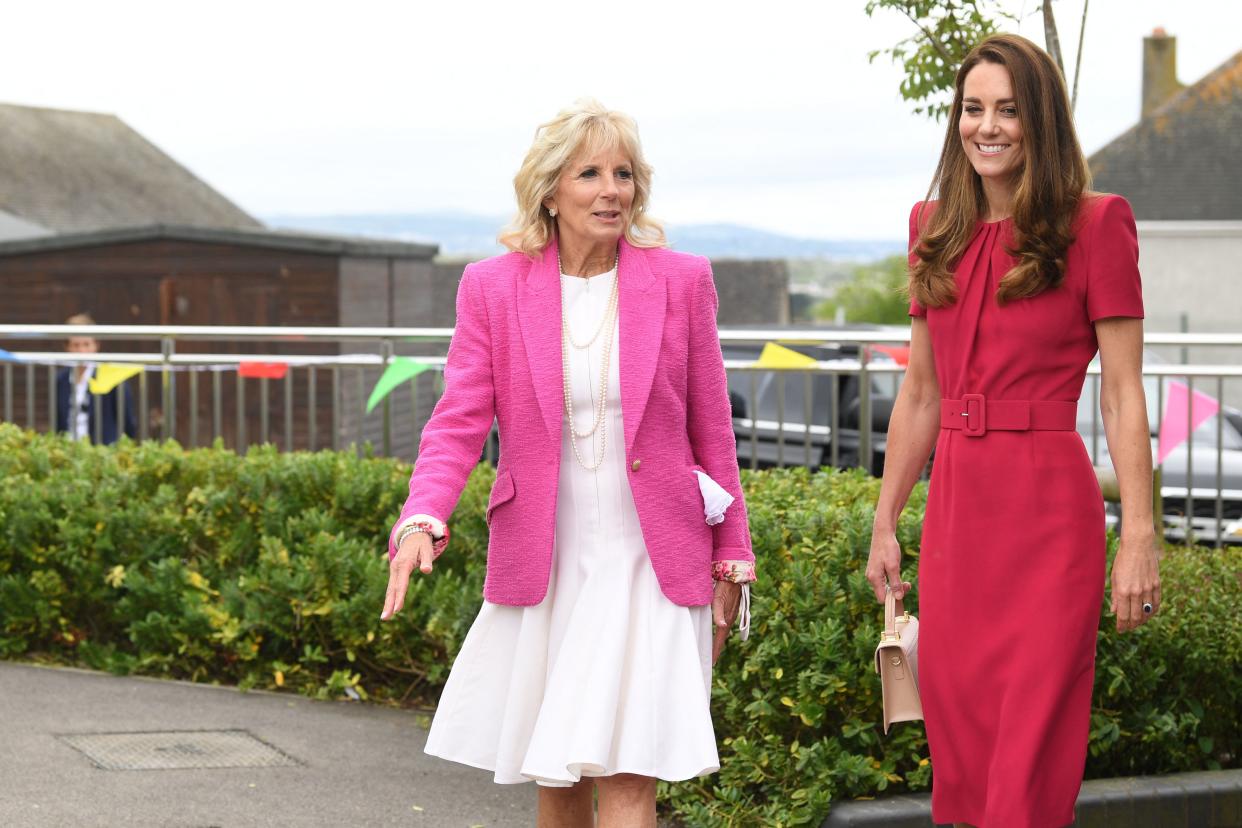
1175, 428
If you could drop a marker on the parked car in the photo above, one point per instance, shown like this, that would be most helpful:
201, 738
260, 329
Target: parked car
770, 408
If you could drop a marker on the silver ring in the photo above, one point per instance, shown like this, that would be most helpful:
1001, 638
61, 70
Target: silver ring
1147, 608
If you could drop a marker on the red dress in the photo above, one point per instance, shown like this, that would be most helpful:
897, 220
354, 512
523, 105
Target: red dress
1011, 569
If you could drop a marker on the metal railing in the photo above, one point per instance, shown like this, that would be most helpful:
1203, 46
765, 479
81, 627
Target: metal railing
809, 416
322, 391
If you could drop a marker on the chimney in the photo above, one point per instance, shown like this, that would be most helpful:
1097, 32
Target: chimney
1159, 69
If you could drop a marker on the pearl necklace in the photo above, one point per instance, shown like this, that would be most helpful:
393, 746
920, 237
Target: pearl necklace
608, 324
583, 346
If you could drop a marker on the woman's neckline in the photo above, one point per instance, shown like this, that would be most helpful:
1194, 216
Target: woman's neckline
588, 278
998, 221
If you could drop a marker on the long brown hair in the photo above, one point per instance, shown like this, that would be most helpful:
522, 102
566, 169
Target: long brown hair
1051, 183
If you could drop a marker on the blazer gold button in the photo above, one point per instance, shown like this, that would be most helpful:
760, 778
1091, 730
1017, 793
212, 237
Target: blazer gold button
636, 465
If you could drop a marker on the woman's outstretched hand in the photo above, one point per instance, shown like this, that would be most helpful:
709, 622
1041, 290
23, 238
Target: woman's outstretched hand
415, 552
884, 565
725, 602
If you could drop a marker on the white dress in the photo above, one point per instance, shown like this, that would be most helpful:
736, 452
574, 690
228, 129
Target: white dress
606, 675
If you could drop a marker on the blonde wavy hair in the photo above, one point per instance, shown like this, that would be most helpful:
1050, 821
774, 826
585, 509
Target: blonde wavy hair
584, 128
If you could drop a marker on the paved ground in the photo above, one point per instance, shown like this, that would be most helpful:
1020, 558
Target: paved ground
359, 765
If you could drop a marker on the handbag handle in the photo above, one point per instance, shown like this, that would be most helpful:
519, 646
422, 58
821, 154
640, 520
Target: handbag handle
894, 611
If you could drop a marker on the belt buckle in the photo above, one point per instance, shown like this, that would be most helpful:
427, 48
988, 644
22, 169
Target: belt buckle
976, 414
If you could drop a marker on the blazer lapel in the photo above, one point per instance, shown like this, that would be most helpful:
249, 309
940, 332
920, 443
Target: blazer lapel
539, 314
641, 306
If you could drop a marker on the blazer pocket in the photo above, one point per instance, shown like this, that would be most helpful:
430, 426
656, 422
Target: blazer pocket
502, 493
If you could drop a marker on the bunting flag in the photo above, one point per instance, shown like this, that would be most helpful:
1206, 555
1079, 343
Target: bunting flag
398, 371
109, 375
263, 370
899, 353
1176, 426
778, 358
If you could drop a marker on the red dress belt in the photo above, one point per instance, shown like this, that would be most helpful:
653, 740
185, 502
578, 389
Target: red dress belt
975, 415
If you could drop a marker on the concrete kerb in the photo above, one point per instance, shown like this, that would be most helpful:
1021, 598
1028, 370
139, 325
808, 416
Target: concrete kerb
1211, 799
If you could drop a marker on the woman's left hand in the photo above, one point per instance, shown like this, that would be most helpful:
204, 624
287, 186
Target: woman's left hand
725, 603
1136, 580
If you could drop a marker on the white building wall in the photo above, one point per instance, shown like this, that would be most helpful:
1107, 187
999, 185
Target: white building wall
1194, 268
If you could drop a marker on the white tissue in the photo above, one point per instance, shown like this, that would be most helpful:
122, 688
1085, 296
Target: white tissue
715, 499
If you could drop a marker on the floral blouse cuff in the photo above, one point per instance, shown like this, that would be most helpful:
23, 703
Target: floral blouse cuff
739, 572
438, 531
743, 573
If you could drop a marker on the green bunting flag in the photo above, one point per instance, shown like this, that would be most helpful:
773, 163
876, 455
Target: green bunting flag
398, 371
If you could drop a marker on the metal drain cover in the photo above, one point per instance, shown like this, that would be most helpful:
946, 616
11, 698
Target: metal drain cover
177, 749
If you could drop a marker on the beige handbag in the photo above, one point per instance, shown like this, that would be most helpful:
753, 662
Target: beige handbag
897, 662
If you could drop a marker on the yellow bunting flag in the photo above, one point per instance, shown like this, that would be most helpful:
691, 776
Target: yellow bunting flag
109, 375
778, 357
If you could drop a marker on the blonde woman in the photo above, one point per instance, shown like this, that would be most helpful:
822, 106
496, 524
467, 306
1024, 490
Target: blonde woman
619, 548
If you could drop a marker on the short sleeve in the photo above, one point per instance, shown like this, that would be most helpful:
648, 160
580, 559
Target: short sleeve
915, 308
1114, 287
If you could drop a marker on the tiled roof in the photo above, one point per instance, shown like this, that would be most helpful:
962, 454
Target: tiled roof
79, 171
1183, 161
12, 227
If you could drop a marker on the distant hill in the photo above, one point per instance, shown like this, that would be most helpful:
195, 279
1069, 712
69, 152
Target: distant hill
734, 241
462, 234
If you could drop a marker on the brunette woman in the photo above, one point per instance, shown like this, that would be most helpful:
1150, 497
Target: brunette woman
1019, 276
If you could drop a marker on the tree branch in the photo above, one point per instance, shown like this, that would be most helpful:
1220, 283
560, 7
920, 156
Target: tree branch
932, 39
1050, 37
1082, 35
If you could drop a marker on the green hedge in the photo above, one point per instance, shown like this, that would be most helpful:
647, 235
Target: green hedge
268, 571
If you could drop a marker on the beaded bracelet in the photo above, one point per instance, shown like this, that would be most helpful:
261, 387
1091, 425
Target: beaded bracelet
437, 544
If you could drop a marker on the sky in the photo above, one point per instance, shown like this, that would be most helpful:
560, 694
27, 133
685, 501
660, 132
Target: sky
765, 114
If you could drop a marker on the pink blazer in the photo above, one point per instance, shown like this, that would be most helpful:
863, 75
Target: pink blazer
505, 362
